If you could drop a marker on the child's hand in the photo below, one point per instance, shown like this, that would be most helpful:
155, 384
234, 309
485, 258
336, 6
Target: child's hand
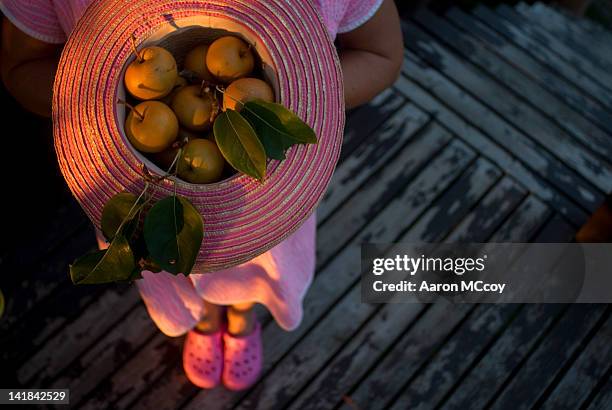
371, 55
28, 68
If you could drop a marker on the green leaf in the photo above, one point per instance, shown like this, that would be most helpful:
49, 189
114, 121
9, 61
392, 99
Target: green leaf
139, 247
136, 274
173, 232
119, 208
275, 143
275, 119
113, 264
239, 144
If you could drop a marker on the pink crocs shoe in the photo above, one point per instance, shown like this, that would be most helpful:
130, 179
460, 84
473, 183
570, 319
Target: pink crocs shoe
243, 359
202, 358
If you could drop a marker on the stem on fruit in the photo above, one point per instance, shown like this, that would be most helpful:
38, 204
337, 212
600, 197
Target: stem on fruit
132, 108
222, 91
215, 108
204, 87
136, 52
174, 161
242, 53
150, 179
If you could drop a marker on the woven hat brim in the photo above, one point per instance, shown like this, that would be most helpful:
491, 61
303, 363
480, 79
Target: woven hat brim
242, 217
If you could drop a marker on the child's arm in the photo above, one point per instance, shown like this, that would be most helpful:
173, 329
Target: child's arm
371, 55
28, 68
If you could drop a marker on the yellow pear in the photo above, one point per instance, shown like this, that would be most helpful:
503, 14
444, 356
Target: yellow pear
201, 162
152, 75
165, 158
180, 83
245, 90
195, 107
151, 126
195, 61
229, 58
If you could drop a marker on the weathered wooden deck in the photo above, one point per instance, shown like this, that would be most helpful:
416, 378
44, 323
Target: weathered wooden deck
500, 129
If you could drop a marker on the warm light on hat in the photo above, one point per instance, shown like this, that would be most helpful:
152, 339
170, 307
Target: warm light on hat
242, 217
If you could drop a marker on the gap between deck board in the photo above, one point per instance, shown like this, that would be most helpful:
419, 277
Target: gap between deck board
571, 74
532, 67
594, 140
520, 147
530, 126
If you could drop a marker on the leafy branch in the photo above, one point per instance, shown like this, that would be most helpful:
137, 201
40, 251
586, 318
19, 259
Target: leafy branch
137, 243
168, 233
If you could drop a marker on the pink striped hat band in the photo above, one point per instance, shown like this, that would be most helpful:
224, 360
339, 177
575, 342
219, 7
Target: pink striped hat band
242, 217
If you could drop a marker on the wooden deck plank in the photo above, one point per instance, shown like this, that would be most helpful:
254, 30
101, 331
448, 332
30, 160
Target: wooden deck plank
97, 363
489, 213
546, 39
599, 32
369, 157
125, 386
603, 399
562, 28
156, 363
476, 387
523, 171
75, 338
598, 142
420, 149
546, 77
407, 356
352, 362
35, 329
428, 387
588, 26
531, 124
524, 222
584, 375
544, 55
455, 204
376, 193
426, 390
558, 229
544, 363
572, 30
363, 121
411, 354
504, 134
288, 376
278, 388
171, 388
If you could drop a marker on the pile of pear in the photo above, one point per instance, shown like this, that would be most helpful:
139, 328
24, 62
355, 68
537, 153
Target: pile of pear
173, 111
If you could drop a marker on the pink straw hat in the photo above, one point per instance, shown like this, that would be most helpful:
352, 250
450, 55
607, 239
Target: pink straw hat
242, 217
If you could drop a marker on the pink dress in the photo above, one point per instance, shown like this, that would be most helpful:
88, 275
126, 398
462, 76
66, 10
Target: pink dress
278, 278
